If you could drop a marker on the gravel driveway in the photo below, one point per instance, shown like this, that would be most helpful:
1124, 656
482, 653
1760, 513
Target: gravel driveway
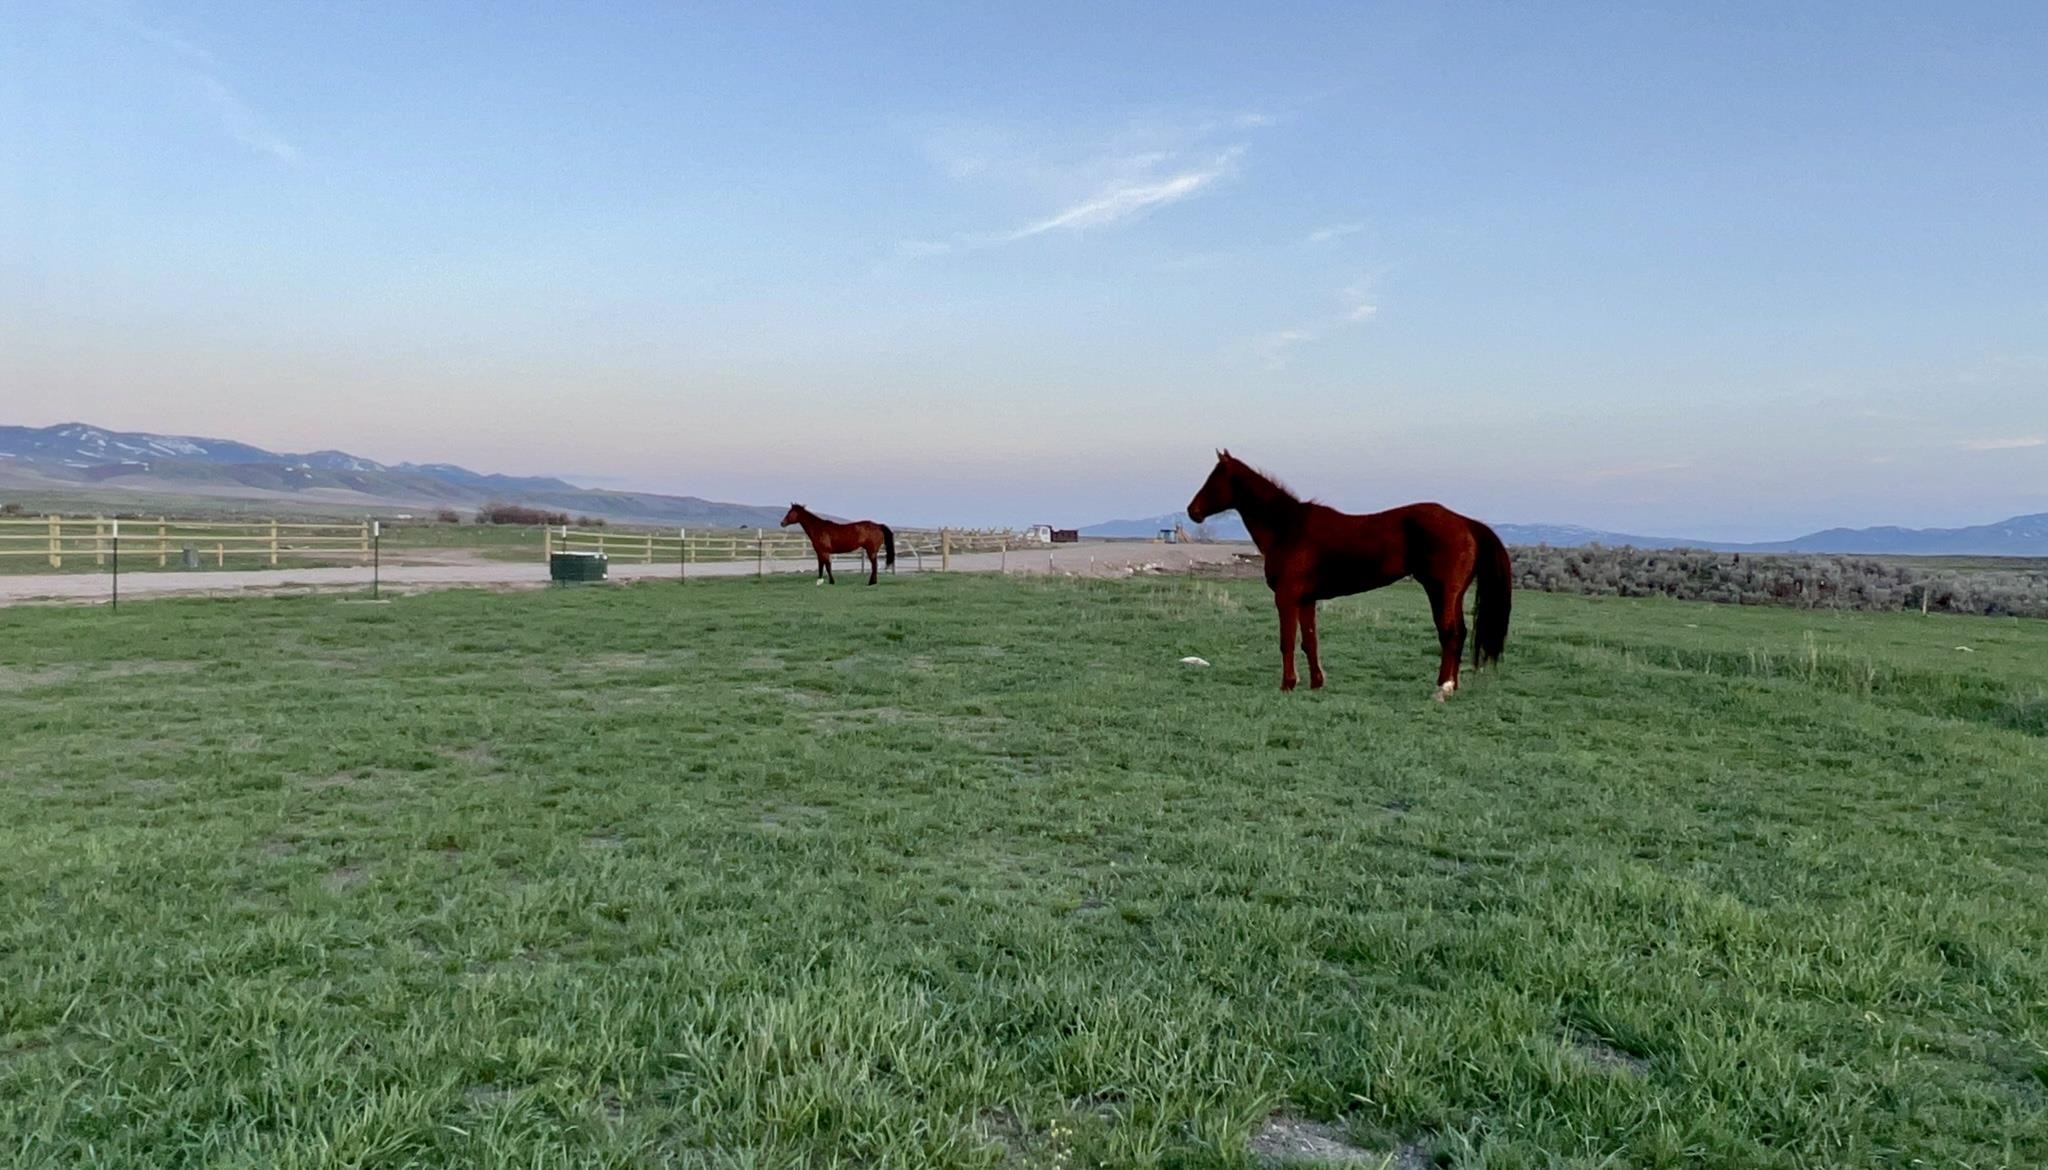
1098, 558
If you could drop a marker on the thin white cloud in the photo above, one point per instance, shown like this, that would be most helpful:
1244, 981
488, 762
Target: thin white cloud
243, 124
240, 121
2012, 443
1274, 347
1091, 184
1126, 200
114, 15
1335, 231
1360, 305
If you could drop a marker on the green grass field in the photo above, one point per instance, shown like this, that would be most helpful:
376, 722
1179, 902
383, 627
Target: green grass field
966, 871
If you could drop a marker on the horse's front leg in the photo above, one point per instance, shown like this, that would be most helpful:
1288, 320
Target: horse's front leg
1290, 616
1308, 646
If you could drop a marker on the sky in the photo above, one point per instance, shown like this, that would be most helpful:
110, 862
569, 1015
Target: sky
1732, 271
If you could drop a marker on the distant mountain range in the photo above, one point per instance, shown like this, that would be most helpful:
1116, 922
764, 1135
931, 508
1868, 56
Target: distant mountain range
75, 456
2020, 536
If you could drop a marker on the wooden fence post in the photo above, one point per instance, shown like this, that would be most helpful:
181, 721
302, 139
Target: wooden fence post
547, 544
99, 540
650, 549
366, 540
220, 556
56, 542
945, 549
760, 553
163, 543
273, 543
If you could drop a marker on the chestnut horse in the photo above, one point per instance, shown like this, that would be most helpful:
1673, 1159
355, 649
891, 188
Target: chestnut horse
876, 540
1313, 552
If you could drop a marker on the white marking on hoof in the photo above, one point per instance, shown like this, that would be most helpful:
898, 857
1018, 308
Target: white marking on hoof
1444, 691
819, 581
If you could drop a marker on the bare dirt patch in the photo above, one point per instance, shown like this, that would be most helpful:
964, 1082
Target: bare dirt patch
1607, 1058
477, 754
786, 817
145, 667
1292, 1141
486, 1097
344, 878
791, 695
15, 678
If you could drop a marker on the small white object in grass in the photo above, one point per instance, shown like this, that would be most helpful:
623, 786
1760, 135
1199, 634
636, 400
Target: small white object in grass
1966, 649
1191, 660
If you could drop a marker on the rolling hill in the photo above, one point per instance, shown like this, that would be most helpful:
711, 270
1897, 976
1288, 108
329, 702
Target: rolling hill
76, 457
2018, 536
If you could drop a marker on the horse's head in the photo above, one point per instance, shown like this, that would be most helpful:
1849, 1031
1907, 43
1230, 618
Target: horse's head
795, 515
1219, 491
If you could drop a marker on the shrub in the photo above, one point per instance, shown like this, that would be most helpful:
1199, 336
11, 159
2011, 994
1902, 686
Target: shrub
519, 514
448, 516
1838, 582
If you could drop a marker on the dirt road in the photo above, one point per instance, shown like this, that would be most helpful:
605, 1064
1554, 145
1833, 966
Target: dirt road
1102, 559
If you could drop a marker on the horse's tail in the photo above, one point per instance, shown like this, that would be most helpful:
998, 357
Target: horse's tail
889, 546
1496, 577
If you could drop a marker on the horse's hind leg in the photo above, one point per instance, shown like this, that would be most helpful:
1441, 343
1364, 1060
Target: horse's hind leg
1447, 609
874, 564
825, 569
1308, 645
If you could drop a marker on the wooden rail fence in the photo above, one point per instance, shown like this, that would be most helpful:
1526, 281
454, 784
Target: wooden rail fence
58, 538
683, 548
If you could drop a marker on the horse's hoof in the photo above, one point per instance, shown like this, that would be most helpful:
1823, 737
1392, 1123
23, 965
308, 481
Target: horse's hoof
1287, 684
1315, 684
1444, 691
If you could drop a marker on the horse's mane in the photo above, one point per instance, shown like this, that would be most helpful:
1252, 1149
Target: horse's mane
1264, 485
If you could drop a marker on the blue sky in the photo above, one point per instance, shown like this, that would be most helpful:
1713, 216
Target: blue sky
1720, 270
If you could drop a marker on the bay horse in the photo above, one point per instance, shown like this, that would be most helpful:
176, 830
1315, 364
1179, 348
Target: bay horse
1314, 552
878, 541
